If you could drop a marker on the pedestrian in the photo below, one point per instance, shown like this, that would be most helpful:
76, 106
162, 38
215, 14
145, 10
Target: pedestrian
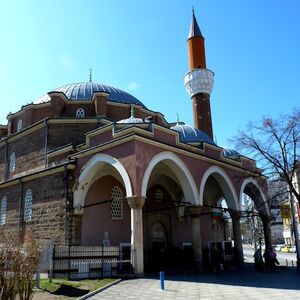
273, 259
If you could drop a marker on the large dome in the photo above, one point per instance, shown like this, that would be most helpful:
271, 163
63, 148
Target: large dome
85, 90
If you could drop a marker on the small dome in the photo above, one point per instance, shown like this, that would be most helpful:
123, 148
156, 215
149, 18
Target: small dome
85, 90
230, 153
188, 134
131, 120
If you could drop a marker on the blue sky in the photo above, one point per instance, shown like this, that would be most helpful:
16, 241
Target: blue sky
140, 46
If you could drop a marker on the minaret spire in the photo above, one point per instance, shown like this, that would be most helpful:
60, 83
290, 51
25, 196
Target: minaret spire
194, 27
199, 80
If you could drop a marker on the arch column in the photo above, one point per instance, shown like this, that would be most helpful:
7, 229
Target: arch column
194, 213
266, 220
137, 243
236, 227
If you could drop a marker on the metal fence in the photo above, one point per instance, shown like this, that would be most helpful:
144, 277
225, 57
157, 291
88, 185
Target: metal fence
79, 262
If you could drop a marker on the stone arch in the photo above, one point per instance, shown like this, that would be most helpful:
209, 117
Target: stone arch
182, 173
225, 184
89, 175
259, 197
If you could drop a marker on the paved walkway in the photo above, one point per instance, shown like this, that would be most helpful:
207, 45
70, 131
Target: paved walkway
242, 284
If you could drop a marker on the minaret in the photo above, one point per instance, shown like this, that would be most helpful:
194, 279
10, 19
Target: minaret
199, 81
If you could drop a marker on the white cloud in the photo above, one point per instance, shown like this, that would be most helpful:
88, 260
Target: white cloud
65, 60
133, 86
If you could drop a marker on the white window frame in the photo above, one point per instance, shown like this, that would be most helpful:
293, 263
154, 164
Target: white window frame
117, 202
3, 210
19, 125
80, 113
12, 162
28, 206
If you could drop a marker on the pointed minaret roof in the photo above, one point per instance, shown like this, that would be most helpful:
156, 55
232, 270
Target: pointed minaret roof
194, 28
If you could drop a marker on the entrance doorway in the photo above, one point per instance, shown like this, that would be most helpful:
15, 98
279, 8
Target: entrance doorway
159, 245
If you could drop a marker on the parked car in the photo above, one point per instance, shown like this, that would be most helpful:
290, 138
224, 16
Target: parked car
285, 249
292, 249
278, 247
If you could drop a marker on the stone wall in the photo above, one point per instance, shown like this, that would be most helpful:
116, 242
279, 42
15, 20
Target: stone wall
48, 209
63, 134
29, 151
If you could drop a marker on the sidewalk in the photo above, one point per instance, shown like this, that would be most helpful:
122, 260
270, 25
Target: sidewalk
237, 284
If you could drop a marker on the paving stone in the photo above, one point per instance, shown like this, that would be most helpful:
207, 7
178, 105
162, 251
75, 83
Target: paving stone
242, 284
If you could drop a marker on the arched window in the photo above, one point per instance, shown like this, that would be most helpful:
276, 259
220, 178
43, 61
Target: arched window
158, 195
116, 203
3, 210
20, 125
28, 206
12, 162
80, 113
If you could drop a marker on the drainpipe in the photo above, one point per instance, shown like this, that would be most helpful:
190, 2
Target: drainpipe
46, 141
5, 169
20, 211
66, 227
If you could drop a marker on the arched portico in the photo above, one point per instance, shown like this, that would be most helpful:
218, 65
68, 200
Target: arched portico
93, 170
225, 184
167, 176
181, 172
216, 185
251, 187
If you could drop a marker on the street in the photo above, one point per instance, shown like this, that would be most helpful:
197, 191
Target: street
283, 258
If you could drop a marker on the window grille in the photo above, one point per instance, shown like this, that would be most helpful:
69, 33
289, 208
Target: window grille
28, 206
116, 203
19, 125
80, 113
159, 195
12, 163
3, 210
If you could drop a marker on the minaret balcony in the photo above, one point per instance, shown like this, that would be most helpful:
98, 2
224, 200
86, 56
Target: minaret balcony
199, 81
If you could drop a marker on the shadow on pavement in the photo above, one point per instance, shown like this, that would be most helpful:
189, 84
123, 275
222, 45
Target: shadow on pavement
282, 278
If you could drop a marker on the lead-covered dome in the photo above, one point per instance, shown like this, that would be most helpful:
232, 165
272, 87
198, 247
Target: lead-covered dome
189, 134
85, 90
231, 153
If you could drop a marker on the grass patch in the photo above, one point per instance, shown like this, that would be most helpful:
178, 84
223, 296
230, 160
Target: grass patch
71, 289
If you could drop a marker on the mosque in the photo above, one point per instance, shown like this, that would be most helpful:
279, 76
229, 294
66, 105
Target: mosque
88, 164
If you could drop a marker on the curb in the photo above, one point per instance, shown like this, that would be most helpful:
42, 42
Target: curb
99, 290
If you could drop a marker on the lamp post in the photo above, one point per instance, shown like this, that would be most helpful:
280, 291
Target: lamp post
295, 229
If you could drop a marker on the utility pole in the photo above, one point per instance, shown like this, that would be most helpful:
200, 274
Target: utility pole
295, 229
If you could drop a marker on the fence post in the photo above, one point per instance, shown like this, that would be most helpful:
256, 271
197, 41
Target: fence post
51, 263
69, 254
102, 255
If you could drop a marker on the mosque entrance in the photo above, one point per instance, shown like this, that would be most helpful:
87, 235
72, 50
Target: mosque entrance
159, 245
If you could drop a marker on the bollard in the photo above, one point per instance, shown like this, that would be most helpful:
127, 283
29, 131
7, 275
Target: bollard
162, 280
292, 263
287, 264
37, 279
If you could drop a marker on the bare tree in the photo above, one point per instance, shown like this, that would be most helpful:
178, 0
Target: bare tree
275, 145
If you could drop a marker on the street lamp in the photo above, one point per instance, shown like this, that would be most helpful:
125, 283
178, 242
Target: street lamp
295, 229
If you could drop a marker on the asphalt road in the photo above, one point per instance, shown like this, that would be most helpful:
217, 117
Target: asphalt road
283, 258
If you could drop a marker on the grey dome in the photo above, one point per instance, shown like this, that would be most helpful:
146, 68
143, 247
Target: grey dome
189, 134
85, 90
230, 153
